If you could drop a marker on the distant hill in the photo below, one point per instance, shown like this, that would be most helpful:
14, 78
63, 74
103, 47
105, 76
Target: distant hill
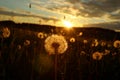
100, 31
109, 25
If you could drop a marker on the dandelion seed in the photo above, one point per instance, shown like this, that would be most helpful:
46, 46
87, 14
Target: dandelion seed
30, 5
54, 41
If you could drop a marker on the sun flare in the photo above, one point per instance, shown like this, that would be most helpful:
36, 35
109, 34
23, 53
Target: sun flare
67, 24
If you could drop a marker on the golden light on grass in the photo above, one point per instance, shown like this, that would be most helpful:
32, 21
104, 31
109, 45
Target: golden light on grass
67, 24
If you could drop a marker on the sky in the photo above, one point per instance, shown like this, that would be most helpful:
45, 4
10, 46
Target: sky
54, 12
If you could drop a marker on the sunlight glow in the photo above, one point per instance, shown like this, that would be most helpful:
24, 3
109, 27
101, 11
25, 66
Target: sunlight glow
67, 24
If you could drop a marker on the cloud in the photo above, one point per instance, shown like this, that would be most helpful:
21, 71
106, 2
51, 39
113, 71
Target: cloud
85, 8
73, 1
10, 13
101, 7
58, 11
16, 14
115, 16
2, 8
48, 9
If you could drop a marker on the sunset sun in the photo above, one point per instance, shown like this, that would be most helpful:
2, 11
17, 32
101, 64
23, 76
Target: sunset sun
67, 24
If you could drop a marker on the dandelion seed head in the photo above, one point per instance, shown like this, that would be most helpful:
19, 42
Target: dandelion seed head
5, 32
116, 44
85, 41
72, 39
55, 41
103, 43
40, 35
82, 53
97, 56
19, 47
95, 43
27, 43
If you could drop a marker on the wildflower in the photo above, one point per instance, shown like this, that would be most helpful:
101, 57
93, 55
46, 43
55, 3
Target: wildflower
6, 32
97, 56
55, 42
72, 39
116, 44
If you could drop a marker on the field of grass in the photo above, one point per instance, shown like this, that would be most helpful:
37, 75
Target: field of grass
29, 51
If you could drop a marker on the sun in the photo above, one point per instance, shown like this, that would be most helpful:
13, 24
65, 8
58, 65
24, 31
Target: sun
67, 24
